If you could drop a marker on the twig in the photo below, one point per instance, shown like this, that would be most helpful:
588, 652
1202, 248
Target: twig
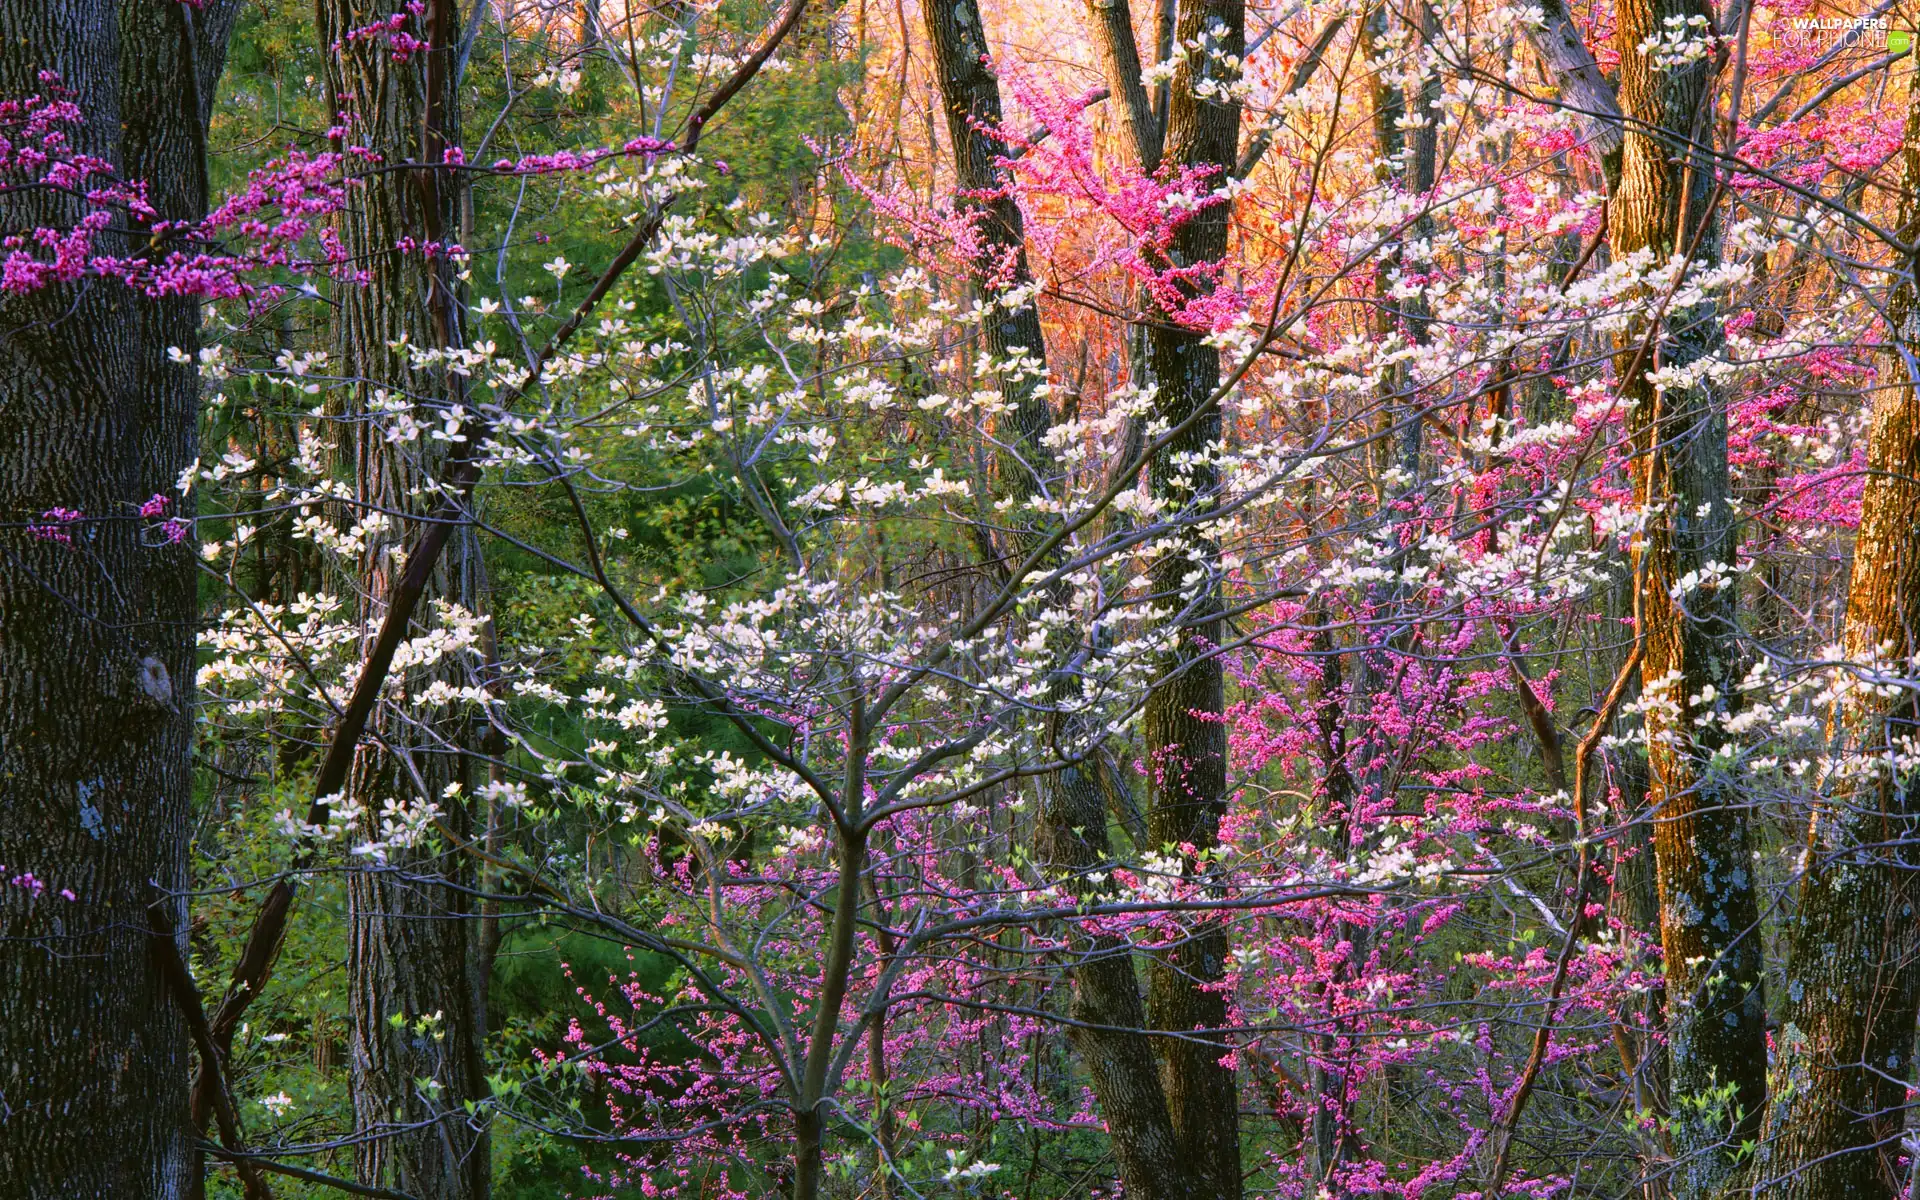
1303, 72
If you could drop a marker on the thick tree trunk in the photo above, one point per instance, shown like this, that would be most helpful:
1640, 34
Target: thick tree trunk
415, 966
1111, 23
1846, 1044
1690, 669
1186, 744
970, 98
1110, 1019
97, 633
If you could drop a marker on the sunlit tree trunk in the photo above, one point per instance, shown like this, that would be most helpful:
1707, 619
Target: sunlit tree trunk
1633, 897
414, 942
1690, 668
1111, 24
97, 633
1847, 1039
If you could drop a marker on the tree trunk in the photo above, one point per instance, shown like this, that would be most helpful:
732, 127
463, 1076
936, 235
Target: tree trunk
415, 966
1186, 743
1582, 88
97, 632
1846, 1045
1111, 23
1110, 1019
1703, 861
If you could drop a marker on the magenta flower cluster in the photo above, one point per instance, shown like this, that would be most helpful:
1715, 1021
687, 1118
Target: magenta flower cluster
272, 224
33, 885
58, 526
401, 44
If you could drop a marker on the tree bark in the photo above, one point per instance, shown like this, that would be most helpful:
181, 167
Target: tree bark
1846, 1044
415, 966
97, 634
1690, 670
1186, 744
1583, 89
1109, 1018
1112, 27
